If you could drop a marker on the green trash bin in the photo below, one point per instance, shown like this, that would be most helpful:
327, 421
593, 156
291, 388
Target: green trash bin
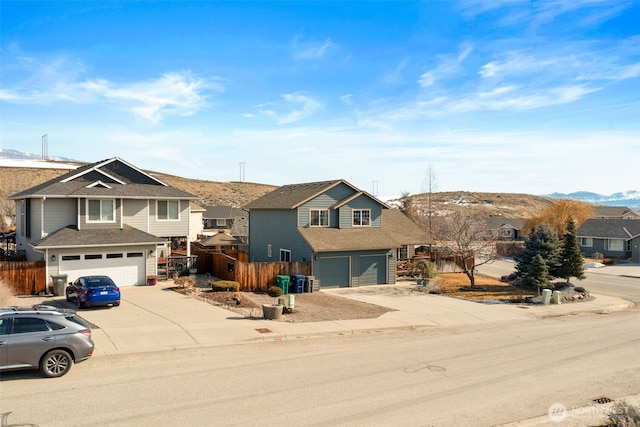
282, 282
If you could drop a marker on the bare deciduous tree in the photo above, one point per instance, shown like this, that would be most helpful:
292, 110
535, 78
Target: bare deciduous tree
465, 237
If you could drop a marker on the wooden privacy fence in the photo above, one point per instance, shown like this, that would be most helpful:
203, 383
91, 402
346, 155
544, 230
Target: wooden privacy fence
252, 276
24, 278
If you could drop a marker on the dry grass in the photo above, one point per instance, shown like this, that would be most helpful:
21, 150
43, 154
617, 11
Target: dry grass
451, 284
6, 294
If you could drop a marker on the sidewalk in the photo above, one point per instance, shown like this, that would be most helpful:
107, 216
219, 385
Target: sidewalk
155, 318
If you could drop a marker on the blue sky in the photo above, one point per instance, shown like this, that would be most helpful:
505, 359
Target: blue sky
518, 97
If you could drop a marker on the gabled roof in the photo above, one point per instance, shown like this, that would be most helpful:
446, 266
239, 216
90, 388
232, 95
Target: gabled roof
610, 228
71, 237
293, 195
217, 212
220, 239
397, 230
612, 212
514, 223
108, 178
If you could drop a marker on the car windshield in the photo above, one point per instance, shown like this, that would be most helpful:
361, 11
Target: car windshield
97, 282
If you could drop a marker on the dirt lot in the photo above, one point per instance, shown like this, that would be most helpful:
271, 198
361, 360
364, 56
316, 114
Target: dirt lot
308, 307
318, 306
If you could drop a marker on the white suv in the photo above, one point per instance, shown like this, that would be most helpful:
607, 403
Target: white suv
42, 337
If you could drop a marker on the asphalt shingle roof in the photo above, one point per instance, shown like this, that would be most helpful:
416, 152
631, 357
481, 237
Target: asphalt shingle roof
397, 230
293, 195
70, 237
610, 228
108, 178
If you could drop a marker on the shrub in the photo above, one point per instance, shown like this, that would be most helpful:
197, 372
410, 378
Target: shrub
624, 414
185, 282
580, 289
274, 291
225, 286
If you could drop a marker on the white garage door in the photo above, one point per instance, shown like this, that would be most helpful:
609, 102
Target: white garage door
124, 268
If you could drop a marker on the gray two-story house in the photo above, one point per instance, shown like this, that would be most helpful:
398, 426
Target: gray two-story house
350, 237
107, 218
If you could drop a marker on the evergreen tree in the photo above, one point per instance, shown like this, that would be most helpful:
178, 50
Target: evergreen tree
542, 241
538, 274
572, 260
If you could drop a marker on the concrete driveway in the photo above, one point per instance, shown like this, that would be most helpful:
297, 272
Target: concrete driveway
155, 318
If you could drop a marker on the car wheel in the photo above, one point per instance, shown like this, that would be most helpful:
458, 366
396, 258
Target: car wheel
69, 298
79, 302
117, 303
55, 363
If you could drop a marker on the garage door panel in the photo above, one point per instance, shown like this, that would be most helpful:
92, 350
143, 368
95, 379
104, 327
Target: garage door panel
125, 270
335, 272
373, 270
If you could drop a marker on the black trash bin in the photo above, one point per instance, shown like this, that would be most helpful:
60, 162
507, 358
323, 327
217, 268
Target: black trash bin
59, 284
297, 283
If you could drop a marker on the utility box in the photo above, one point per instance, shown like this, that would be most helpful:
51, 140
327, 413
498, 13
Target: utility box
546, 296
297, 283
311, 282
282, 282
555, 297
59, 284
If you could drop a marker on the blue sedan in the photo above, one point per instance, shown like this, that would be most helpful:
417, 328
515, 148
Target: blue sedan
91, 291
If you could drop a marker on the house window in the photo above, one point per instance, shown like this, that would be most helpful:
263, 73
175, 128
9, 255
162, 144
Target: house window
168, 210
319, 217
361, 217
587, 242
614, 245
93, 256
101, 210
221, 222
71, 257
285, 255
269, 250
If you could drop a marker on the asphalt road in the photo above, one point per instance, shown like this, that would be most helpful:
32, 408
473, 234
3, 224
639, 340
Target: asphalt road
468, 376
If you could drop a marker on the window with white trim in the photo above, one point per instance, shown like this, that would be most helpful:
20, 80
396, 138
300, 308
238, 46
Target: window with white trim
319, 217
269, 250
168, 210
587, 242
285, 255
101, 210
614, 245
361, 217
221, 222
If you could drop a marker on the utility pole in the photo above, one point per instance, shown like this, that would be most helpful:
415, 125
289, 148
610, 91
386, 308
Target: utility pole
45, 148
241, 171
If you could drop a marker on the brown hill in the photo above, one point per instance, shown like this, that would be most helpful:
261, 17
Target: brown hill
238, 194
506, 205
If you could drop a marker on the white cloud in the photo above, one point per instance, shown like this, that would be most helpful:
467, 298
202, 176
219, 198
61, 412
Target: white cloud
447, 66
311, 51
60, 79
307, 107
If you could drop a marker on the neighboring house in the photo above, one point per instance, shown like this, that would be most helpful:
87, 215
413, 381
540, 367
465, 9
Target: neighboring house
106, 218
614, 212
613, 238
350, 237
225, 219
505, 228
195, 222
221, 242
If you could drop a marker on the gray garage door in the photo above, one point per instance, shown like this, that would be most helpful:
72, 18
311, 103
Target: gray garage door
335, 272
373, 270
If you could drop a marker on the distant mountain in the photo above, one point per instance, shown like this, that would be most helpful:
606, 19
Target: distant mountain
629, 198
7, 153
